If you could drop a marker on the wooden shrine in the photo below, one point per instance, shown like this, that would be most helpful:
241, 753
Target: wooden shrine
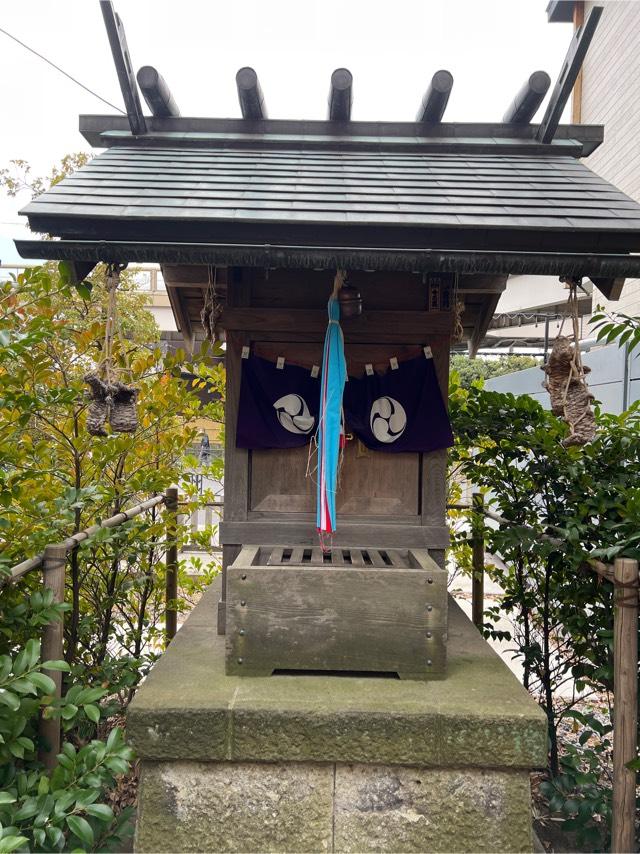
386, 501
249, 219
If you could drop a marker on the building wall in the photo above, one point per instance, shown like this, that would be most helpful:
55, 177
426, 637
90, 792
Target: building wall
611, 96
614, 379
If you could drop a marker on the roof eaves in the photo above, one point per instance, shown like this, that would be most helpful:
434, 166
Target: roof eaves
308, 142
107, 131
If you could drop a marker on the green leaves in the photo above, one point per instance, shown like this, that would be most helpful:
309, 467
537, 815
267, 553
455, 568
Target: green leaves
100, 811
43, 682
616, 326
81, 828
588, 500
92, 712
9, 699
581, 796
64, 809
11, 842
56, 665
55, 479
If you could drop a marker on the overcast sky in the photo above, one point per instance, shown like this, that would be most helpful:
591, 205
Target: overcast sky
392, 47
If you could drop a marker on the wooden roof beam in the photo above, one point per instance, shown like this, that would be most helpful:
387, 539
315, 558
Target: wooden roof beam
610, 288
340, 95
523, 107
568, 75
436, 98
481, 323
250, 94
156, 92
181, 315
124, 68
481, 284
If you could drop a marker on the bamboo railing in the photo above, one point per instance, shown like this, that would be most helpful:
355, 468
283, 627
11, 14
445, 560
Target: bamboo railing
52, 562
624, 575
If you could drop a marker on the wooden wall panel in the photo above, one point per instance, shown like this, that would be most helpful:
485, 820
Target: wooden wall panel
311, 289
372, 483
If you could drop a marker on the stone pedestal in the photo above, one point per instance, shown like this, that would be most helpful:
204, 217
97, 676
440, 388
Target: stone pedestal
311, 763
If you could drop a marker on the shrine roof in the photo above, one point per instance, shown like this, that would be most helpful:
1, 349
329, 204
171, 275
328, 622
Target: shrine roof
204, 185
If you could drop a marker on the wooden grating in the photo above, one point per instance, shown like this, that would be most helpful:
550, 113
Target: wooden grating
301, 556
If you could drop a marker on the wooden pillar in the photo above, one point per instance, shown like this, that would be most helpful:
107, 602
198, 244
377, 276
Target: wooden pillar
576, 103
477, 557
53, 573
625, 702
171, 583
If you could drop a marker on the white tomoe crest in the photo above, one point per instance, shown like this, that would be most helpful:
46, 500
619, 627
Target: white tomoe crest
293, 414
387, 419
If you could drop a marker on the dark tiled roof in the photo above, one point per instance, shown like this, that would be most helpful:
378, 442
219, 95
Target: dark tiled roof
370, 188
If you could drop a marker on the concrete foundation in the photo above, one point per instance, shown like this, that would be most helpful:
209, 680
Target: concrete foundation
333, 763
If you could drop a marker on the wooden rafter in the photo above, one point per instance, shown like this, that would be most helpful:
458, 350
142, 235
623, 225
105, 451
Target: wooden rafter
124, 68
611, 288
568, 75
523, 107
340, 95
436, 98
156, 92
482, 323
181, 315
250, 95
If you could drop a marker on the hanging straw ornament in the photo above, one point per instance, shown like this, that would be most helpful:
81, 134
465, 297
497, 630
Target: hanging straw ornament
212, 308
98, 407
458, 328
124, 412
111, 399
566, 380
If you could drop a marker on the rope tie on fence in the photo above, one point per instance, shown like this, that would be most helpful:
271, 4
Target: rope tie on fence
55, 562
628, 601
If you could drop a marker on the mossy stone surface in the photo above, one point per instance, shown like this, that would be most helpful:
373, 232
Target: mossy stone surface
195, 806
478, 716
415, 809
312, 807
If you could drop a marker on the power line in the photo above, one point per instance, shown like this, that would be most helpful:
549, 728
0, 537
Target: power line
62, 71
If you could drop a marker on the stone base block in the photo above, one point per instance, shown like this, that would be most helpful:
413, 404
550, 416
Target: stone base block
310, 807
333, 763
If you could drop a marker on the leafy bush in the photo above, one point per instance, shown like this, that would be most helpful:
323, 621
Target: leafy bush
49, 813
475, 371
56, 480
581, 794
562, 504
38, 810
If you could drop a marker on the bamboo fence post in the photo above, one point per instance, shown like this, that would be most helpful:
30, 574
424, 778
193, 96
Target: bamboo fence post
477, 558
53, 574
625, 702
171, 588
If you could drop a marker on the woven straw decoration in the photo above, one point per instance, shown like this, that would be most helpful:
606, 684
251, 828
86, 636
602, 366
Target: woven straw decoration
569, 393
111, 400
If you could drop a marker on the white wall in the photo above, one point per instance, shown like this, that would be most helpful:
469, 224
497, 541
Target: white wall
611, 96
528, 292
